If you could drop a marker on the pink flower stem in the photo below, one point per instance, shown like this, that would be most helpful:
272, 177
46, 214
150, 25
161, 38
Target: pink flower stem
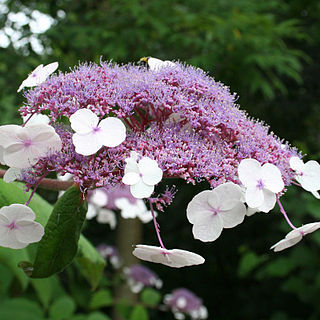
285, 214
27, 120
34, 189
156, 226
295, 183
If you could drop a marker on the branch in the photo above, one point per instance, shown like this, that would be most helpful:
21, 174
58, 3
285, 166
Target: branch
50, 184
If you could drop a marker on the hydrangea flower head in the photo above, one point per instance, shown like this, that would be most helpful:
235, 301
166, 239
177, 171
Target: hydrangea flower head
184, 302
111, 254
140, 276
17, 227
39, 75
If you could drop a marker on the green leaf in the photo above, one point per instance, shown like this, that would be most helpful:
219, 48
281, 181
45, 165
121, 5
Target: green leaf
20, 309
6, 277
11, 258
102, 298
91, 262
98, 316
248, 262
62, 308
139, 313
150, 297
59, 244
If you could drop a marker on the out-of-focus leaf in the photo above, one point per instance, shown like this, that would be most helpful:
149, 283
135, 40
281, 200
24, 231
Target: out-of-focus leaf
139, 313
248, 262
62, 308
102, 298
98, 316
150, 297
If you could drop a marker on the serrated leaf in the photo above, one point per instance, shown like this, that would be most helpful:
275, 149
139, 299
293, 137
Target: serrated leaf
150, 297
59, 245
62, 308
102, 298
139, 313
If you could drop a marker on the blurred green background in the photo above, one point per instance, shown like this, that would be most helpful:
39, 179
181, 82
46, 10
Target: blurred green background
266, 51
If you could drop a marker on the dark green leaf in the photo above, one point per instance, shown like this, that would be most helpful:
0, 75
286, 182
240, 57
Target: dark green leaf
59, 244
98, 316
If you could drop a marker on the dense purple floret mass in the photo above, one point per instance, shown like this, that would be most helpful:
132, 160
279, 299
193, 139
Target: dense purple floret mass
179, 116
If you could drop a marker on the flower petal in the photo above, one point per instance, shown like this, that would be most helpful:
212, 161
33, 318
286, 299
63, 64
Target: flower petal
29, 231
151, 173
86, 144
141, 190
208, 228
286, 243
12, 174
16, 212
8, 134
229, 195
99, 198
254, 197
199, 206
309, 228
112, 133
269, 201
83, 121
296, 164
249, 171
271, 177
131, 178
234, 216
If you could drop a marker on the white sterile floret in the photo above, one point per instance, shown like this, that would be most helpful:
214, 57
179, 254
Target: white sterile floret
307, 174
35, 119
91, 135
106, 216
12, 174
17, 227
262, 183
141, 175
175, 258
39, 75
156, 64
212, 210
133, 210
295, 236
23, 146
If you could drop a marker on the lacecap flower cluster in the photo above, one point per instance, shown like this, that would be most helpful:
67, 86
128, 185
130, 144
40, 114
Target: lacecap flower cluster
112, 125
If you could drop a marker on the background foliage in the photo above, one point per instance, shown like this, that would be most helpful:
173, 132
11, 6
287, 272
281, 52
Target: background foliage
266, 51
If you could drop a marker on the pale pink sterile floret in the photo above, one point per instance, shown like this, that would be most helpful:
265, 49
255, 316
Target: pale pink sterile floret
262, 183
91, 135
39, 75
295, 236
141, 175
307, 174
174, 258
212, 210
17, 227
23, 146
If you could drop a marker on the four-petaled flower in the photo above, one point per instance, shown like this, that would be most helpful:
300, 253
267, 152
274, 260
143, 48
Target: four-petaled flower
212, 210
175, 258
17, 227
141, 175
91, 134
23, 146
38, 75
262, 183
307, 174
156, 64
295, 236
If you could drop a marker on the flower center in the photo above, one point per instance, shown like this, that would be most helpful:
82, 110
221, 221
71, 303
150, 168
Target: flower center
27, 143
12, 225
260, 184
96, 129
215, 211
